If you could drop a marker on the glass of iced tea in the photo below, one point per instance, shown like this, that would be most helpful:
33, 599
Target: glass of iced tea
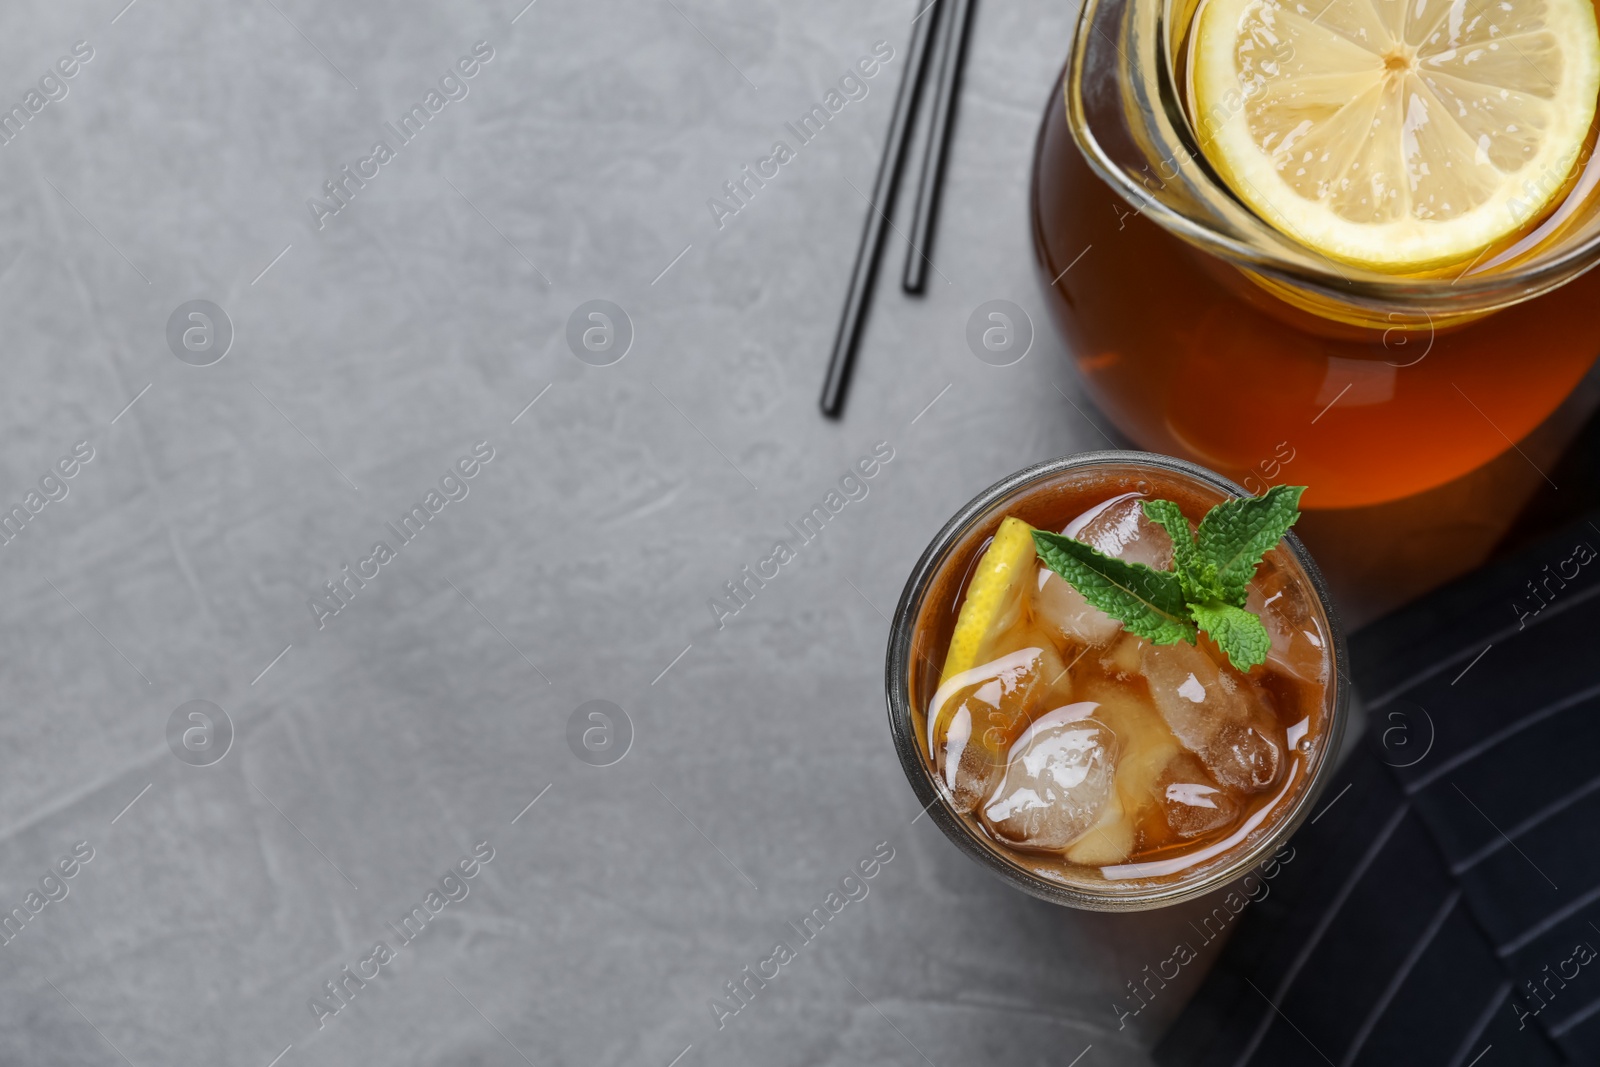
1084, 764
1346, 237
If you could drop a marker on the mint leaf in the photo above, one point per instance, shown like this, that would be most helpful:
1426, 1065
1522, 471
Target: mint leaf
1197, 583
1148, 602
1235, 534
1237, 632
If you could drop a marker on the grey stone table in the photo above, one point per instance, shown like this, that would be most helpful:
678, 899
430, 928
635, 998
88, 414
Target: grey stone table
378, 323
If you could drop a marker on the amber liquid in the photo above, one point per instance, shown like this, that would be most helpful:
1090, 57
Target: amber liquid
1188, 356
1110, 675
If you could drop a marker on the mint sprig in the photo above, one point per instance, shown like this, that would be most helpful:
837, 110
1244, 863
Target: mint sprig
1210, 579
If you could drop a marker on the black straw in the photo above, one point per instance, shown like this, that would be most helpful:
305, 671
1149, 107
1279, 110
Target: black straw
954, 23
865, 273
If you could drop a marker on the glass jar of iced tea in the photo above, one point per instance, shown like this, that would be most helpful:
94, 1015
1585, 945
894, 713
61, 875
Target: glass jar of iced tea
1086, 765
1217, 312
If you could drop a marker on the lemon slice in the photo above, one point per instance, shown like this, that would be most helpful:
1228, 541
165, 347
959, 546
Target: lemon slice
1398, 134
994, 597
994, 602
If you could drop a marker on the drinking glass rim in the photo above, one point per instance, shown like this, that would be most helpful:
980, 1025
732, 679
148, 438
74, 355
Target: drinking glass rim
1488, 293
935, 800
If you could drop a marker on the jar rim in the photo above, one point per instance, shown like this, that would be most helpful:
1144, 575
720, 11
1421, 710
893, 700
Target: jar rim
1257, 247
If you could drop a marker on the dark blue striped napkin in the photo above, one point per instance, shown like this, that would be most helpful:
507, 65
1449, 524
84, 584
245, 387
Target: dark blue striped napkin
1443, 906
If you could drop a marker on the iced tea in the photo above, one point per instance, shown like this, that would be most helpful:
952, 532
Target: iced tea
1092, 758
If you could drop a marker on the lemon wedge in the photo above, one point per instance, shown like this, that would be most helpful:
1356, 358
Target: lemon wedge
986, 651
994, 597
1401, 135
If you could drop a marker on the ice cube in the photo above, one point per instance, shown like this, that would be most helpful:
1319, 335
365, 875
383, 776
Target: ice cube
1214, 716
993, 704
1299, 644
1057, 781
1063, 612
1119, 527
970, 769
1191, 801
